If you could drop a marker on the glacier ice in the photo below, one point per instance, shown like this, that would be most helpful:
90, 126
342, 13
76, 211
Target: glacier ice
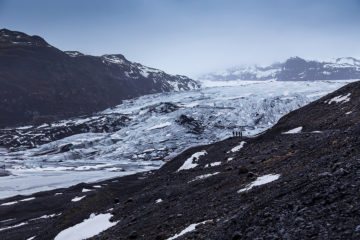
159, 126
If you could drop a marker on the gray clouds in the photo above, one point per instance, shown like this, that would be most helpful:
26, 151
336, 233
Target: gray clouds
193, 36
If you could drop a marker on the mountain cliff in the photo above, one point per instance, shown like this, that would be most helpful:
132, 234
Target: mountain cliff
40, 83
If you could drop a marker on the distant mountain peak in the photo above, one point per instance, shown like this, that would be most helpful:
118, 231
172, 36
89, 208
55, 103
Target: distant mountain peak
114, 58
41, 82
74, 53
15, 38
293, 69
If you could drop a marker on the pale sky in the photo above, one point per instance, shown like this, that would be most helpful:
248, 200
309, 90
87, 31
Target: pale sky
192, 37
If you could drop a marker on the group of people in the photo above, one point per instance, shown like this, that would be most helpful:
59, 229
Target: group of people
237, 134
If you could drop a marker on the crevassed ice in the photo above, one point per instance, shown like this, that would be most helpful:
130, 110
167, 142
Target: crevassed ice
220, 110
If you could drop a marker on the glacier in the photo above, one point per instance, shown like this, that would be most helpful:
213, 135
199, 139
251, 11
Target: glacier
158, 127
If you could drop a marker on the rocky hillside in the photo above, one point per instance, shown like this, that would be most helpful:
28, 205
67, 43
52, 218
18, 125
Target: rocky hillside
300, 179
39, 83
293, 69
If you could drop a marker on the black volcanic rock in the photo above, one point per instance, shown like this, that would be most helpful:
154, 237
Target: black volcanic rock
39, 83
194, 126
32, 136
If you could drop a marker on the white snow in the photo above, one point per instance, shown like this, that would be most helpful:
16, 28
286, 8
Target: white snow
158, 200
174, 85
9, 203
201, 177
230, 159
88, 228
27, 199
86, 190
14, 226
46, 216
339, 99
316, 132
76, 199
260, 181
191, 161
7, 220
213, 164
292, 131
190, 228
113, 59
237, 148
31, 238
73, 53
162, 125
24, 127
348, 113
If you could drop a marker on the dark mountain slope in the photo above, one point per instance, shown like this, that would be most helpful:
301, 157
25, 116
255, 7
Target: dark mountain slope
39, 83
314, 192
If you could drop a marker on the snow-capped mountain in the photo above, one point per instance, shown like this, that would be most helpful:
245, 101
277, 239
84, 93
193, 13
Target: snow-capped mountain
293, 69
40, 83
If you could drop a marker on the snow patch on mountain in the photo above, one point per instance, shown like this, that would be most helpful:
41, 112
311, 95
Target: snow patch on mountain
295, 130
201, 177
261, 181
237, 148
191, 162
88, 228
340, 99
190, 228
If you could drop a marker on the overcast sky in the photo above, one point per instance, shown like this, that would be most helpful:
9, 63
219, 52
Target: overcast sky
192, 36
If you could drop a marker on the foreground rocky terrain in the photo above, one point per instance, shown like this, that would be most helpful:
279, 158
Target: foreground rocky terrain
300, 179
40, 83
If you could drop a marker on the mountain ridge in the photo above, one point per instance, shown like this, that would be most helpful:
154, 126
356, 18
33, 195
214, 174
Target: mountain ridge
293, 69
40, 83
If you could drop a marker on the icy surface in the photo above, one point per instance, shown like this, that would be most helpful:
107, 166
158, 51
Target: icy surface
214, 164
340, 99
260, 181
295, 130
76, 199
90, 227
191, 161
9, 203
190, 228
14, 226
215, 112
237, 148
204, 176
